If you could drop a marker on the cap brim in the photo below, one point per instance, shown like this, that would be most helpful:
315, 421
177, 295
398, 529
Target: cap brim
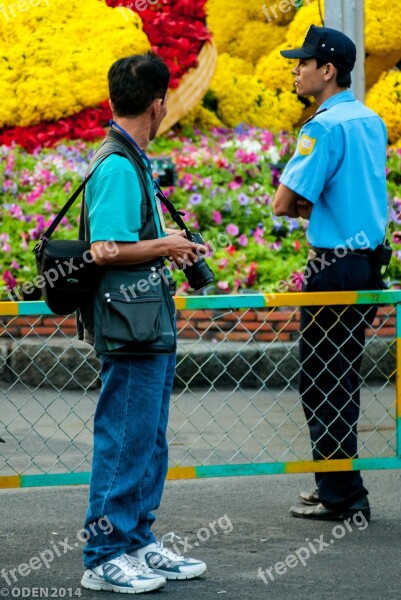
297, 53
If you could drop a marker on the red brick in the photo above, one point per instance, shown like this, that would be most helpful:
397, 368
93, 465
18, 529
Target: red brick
288, 327
387, 332
279, 316
197, 314
234, 337
270, 337
42, 331
256, 327
188, 334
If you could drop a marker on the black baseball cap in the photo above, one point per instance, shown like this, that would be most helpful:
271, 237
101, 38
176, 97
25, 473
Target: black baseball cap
328, 45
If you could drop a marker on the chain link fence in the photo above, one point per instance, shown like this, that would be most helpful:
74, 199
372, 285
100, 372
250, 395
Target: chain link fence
235, 407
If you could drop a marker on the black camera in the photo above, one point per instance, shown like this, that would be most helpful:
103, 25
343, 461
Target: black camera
199, 274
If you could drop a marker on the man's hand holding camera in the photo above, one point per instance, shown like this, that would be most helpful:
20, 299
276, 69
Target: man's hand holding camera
182, 251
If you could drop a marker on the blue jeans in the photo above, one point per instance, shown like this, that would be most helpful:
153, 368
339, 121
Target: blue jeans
130, 456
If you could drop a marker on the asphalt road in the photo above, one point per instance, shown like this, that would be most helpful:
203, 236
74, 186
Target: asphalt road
240, 526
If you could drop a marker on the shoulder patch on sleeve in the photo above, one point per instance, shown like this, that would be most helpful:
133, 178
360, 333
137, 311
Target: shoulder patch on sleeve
306, 145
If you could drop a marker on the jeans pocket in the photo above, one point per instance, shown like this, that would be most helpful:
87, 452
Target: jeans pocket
131, 320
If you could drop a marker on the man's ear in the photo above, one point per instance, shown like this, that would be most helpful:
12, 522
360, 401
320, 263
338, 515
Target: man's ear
156, 106
330, 72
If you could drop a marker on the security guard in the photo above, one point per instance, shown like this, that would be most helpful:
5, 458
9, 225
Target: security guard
337, 179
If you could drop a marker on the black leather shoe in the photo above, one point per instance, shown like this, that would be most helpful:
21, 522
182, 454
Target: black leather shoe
309, 498
318, 512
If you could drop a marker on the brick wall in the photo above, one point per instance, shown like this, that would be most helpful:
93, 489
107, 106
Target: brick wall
263, 325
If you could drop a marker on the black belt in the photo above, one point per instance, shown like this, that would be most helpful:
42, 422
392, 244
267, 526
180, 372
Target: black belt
333, 251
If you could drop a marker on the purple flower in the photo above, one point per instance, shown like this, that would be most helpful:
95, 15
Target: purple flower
243, 240
243, 199
232, 230
195, 199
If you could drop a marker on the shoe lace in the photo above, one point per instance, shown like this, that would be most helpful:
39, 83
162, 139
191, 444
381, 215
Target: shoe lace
139, 565
169, 539
130, 566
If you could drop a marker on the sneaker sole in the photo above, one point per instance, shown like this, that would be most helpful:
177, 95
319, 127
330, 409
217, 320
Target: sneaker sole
103, 586
179, 576
308, 502
341, 516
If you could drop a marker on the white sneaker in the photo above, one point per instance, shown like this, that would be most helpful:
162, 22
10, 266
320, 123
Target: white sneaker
167, 563
122, 574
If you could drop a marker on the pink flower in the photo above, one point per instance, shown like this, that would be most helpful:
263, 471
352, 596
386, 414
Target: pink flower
217, 217
10, 164
297, 279
187, 182
15, 265
223, 285
243, 240
232, 230
236, 184
246, 157
267, 139
9, 280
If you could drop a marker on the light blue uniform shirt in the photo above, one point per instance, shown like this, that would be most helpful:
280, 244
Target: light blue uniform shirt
340, 166
113, 197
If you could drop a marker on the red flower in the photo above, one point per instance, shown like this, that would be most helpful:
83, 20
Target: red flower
252, 274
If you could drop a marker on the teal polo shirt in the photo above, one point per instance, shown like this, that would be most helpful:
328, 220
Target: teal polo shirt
113, 197
340, 166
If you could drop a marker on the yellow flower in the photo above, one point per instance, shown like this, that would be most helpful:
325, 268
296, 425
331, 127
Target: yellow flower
243, 98
202, 118
55, 59
383, 26
385, 99
276, 71
227, 67
308, 15
258, 39
244, 28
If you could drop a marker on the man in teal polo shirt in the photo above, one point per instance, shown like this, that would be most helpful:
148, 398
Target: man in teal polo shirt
130, 456
337, 179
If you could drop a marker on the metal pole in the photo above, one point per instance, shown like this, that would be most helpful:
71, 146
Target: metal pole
348, 16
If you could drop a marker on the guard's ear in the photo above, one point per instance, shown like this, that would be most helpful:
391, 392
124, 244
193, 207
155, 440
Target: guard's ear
330, 72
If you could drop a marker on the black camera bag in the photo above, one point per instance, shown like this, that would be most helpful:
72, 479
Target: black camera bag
68, 272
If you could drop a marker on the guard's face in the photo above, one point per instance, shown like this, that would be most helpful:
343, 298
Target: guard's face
309, 80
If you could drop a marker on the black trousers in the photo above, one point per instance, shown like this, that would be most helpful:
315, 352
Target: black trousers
331, 348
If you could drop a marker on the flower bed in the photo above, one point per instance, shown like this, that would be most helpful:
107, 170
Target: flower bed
227, 180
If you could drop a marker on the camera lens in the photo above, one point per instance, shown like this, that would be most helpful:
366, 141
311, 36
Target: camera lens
199, 275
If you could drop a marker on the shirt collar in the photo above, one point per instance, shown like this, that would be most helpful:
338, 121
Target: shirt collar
346, 96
